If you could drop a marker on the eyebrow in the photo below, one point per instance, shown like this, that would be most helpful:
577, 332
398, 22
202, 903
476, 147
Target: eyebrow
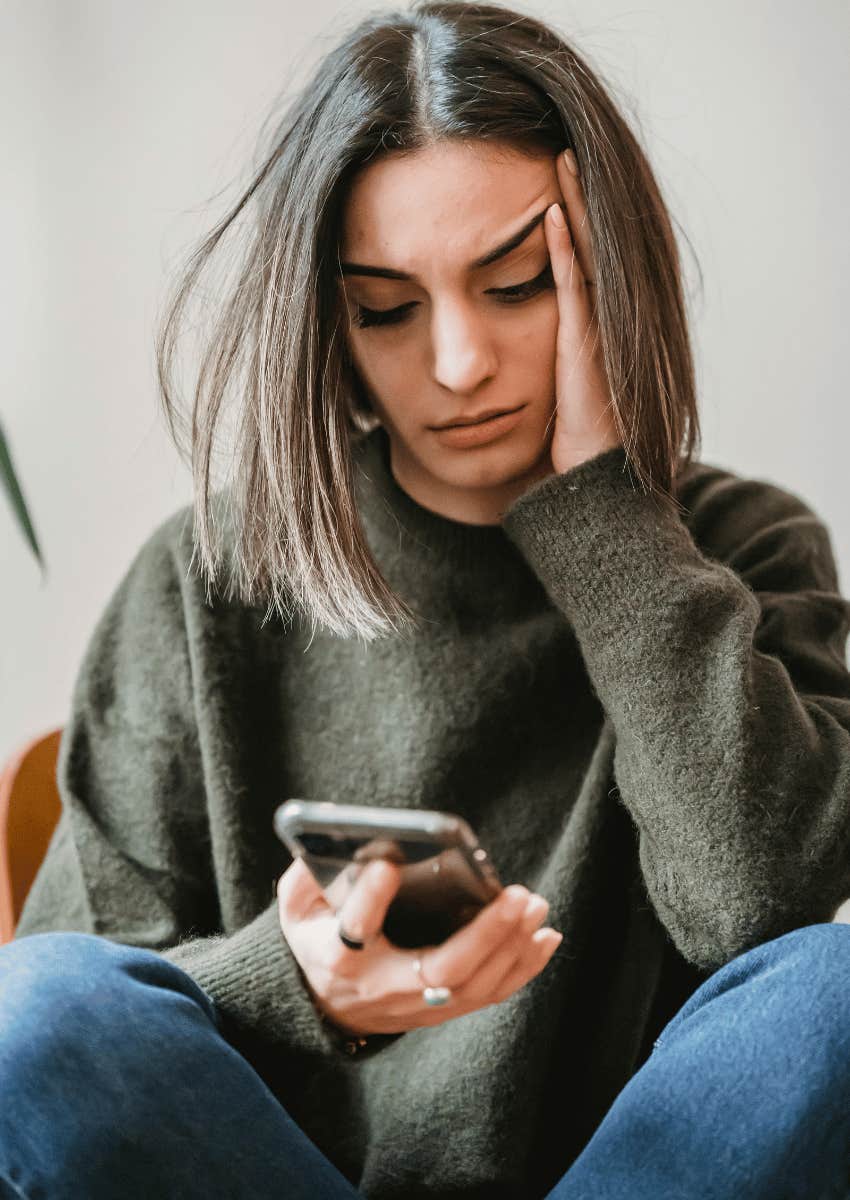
352, 268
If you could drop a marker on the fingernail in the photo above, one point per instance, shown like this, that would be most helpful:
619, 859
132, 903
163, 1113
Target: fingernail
570, 160
536, 905
557, 217
513, 902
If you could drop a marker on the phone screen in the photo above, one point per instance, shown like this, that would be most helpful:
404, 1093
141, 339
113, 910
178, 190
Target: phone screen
440, 889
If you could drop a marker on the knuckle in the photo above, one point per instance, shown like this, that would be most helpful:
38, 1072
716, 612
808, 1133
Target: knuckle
441, 973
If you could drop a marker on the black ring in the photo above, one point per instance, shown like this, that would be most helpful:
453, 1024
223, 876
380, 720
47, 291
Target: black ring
350, 942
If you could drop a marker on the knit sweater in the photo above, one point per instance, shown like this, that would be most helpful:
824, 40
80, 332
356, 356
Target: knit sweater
644, 715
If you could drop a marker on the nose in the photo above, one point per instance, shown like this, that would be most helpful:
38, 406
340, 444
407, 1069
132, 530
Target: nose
464, 354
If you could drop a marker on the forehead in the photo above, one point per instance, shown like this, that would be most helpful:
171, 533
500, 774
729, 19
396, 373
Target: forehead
454, 198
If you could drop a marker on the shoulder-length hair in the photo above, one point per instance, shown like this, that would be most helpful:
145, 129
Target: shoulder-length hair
397, 82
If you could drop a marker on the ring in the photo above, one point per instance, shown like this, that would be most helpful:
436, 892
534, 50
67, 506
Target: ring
432, 995
352, 943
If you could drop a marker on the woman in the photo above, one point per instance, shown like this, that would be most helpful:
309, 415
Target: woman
623, 667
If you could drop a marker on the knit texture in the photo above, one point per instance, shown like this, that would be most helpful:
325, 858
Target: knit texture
644, 715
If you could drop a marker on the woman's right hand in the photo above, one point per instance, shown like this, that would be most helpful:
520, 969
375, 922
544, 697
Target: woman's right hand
377, 989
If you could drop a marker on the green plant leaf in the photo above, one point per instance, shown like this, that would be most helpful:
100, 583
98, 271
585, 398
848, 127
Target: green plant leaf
13, 491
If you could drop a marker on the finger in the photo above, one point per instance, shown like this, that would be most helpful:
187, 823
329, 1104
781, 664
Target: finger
544, 943
566, 269
298, 891
482, 985
575, 313
363, 913
516, 947
457, 959
575, 308
579, 225
535, 914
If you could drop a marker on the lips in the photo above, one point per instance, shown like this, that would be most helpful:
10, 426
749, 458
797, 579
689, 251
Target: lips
480, 432
485, 416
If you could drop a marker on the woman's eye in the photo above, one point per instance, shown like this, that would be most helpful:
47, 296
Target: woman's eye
366, 317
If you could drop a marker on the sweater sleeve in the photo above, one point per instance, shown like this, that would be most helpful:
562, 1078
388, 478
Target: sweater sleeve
727, 686
130, 858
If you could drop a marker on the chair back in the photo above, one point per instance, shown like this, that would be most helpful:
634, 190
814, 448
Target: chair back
29, 810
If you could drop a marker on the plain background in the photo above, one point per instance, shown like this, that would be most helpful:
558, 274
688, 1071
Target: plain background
126, 128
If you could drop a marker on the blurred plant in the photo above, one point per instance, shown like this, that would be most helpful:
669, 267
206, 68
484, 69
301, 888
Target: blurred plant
16, 498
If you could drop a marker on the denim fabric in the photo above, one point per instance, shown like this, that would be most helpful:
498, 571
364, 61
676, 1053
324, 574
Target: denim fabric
746, 1095
117, 1085
116, 1082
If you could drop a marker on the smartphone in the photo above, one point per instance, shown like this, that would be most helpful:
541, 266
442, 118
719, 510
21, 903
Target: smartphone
446, 876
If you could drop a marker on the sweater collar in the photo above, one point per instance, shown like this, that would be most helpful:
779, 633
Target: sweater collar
400, 530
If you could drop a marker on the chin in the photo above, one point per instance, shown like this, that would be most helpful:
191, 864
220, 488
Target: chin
493, 465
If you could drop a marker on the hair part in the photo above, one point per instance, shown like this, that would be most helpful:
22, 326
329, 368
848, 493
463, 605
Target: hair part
400, 81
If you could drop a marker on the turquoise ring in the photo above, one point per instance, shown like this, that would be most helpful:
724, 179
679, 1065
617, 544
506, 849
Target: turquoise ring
433, 996
438, 995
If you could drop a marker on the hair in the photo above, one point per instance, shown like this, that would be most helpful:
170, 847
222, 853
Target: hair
397, 82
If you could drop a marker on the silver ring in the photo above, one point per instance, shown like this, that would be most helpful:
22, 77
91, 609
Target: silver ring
433, 996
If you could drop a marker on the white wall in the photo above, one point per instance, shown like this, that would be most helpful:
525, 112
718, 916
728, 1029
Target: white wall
120, 120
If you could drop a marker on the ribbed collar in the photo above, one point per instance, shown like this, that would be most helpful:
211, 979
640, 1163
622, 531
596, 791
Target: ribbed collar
406, 538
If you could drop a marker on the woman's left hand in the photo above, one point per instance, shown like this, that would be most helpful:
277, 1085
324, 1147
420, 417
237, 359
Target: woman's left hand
584, 419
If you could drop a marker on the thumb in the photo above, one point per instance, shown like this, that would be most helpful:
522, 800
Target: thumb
298, 891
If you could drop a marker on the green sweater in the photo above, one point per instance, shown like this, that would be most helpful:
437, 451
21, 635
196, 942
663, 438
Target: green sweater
645, 716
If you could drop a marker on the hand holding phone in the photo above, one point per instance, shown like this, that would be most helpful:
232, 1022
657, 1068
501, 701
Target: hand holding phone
377, 989
446, 875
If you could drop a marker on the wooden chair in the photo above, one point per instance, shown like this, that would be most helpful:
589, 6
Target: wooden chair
29, 810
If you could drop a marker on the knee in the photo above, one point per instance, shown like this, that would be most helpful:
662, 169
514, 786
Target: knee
57, 988
794, 985
819, 953
810, 964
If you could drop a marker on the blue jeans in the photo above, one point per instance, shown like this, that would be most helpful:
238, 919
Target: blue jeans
105, 1049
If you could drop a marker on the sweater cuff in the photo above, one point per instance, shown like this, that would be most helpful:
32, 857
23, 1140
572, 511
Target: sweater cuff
259, 989
599, 544
256, 984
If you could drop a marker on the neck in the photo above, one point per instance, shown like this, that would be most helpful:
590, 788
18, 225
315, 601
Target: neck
469, 506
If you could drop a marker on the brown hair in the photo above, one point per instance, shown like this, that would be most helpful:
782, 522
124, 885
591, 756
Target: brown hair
397, 82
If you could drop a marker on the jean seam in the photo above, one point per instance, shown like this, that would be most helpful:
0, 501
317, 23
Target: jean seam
15, 1189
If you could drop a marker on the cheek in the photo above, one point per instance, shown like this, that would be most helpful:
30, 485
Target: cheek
385, 376
535, 343
368, 365
547, 320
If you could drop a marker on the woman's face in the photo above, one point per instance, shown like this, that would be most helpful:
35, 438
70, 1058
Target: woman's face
456, 347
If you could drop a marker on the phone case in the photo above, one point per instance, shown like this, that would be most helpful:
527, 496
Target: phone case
447, 877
